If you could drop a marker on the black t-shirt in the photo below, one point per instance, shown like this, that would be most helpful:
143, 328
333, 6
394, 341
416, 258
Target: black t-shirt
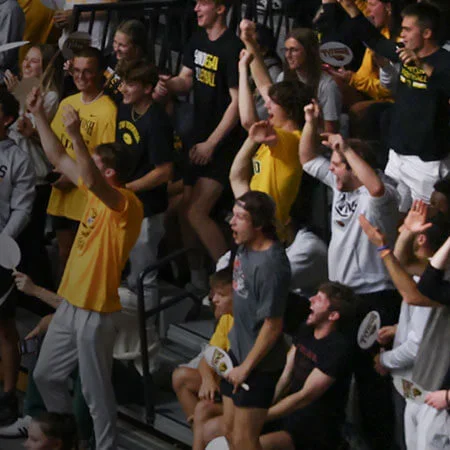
215, 67
151, 140
332, 355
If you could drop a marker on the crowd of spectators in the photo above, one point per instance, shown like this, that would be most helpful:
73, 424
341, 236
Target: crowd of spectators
105, 153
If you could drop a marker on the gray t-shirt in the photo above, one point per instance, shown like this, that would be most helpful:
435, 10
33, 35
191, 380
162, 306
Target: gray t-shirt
352, 259
261, 281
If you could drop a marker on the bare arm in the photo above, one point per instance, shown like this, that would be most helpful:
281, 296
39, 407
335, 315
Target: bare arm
50, 143
181, 84
286, 376
259, 70
159, 175
247, 110
26, 285
210, 383
315, 386
441, 258
241, 169
307, 148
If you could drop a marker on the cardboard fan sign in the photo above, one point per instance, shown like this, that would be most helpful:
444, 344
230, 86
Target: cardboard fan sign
74, 42
368, 330
12, 45
409, 390
335, 54
220, 361
9, 259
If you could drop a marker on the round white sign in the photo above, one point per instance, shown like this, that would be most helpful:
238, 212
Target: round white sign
335, 54
368, 330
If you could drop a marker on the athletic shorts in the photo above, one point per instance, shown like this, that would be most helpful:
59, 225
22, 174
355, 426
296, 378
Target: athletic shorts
262, 388
8, 295
63, 223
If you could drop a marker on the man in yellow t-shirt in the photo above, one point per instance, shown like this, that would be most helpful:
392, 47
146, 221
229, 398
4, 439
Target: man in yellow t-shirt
98, 125
83, 328
193, 385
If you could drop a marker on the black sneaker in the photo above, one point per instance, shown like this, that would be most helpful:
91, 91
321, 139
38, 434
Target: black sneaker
9, 408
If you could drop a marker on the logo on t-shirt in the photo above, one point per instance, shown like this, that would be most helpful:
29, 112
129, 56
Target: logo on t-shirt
256, 167
414, 77
206, 67
239, 279
129, 132
86, 228
345, 207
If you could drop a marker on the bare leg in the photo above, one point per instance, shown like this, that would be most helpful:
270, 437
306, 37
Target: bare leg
205, 194
186, 384
10, 353
247, 426
280, 440
208, 423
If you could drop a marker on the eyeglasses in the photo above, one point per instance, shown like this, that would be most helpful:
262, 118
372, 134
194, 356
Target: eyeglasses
292, 50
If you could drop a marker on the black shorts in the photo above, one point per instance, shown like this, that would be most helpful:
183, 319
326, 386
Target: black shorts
63, 223
8, 295
262, 388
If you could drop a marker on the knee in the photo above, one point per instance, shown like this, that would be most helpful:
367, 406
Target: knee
195, 215
180, 378
204, 410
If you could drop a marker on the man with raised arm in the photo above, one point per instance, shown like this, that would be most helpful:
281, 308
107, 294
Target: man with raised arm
83, 329
419, 137
352, 260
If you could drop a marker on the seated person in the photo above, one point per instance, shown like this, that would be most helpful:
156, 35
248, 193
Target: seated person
194, 385
311, 395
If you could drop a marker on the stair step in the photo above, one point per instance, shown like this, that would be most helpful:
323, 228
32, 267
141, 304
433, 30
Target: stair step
191, 334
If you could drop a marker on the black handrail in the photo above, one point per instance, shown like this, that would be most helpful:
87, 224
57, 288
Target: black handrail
143, 315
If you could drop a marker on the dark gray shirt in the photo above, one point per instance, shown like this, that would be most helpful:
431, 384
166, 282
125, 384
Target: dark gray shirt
261, 281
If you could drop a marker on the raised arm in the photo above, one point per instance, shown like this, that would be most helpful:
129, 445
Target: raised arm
360, 168
307, 148
241, 169
247, 110
258, 69
88, 171
50, 143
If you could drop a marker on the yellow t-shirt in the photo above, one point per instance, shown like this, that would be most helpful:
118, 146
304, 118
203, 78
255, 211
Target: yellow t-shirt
220, 336
103, 242
277, 171
98, 126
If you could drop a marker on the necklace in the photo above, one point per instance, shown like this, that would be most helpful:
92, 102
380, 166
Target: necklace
91, 101
136, 116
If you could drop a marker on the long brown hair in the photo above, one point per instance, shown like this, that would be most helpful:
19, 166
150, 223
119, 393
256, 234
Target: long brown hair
52, 76
313, 65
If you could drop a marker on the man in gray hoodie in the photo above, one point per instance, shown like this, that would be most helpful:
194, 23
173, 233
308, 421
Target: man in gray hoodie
17, 192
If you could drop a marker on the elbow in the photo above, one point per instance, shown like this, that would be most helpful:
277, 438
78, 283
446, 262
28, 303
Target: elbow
247, 123
377, 191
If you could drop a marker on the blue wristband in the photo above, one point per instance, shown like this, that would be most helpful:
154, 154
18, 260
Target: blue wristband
383, 247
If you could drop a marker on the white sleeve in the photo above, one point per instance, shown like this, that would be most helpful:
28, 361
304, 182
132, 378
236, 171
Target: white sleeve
319, 168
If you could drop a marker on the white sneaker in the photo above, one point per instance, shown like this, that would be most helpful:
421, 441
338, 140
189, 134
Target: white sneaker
17, 429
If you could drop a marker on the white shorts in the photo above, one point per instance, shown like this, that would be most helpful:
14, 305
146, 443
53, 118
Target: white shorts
426, 428
415, 177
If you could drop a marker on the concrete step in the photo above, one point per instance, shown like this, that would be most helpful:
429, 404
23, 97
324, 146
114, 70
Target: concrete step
193, 334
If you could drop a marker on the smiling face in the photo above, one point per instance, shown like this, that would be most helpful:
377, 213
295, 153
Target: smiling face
134, 91
295, 53
378, 12
123, 47
242, 226
208, 13
86, 74
32, 64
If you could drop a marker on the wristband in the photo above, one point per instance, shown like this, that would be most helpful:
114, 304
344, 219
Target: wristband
383, 247
384, 253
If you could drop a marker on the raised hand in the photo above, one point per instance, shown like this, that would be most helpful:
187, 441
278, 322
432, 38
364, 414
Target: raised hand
25, 126
248, 30
11, 80
262, 132
245, 58
373, 233
71, 121
35, 102
416, 220
312, 112
334, 142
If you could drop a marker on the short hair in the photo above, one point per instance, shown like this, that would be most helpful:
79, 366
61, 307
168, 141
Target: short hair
59, 426
438, 232
427, 15
136, 31
261, 208
443, 187
222, 277
226, 3
342, 299
292, 96
364, 150
138, 70
117, 156
92, 52
10, 105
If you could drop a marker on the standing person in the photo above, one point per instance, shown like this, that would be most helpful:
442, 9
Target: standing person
352, 260
419, 155
144, 127
210, 70
98, 117
83, 328
17, 193
261, 278
12, 26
